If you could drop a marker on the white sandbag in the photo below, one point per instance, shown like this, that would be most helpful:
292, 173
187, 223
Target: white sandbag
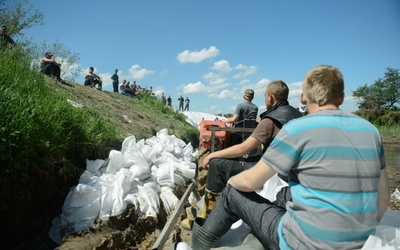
151, 198
115, 163
132, 198
121, 188
140, 172
151, 182
129, 144
169, 199
85, 176
94, 166
56, 232
137, 158
83, 224
185, 169
107, 190
162, 133
165, 175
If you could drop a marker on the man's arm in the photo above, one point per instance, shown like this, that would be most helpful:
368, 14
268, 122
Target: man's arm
232, 119
253, 178
237, 150
383, 194
50, 61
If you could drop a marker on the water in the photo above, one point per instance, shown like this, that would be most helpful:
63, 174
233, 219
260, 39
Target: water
392, 155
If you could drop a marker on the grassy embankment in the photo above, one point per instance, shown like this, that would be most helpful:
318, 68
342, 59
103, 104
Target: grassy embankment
45, 140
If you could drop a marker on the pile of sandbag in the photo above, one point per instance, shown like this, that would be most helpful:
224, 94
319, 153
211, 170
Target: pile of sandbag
142, 174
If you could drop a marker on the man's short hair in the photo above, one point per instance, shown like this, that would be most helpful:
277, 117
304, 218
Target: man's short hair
91, 68
322, 84
48, 53
279, 90
248, 94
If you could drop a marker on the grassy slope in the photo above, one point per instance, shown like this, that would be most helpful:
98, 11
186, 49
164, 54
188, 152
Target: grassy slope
145, 120
30, 220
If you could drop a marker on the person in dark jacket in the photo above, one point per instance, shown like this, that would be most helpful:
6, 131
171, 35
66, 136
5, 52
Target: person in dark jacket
5, 40
115, 79
230, 161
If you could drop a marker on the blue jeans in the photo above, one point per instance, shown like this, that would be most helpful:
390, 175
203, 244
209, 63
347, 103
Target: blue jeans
261, 215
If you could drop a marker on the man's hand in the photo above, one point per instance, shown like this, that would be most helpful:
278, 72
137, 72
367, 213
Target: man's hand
207, 160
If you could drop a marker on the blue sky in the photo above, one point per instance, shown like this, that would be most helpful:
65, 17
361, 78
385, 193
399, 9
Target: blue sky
211, 51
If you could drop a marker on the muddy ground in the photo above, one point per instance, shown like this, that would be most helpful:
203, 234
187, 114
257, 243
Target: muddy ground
133, 231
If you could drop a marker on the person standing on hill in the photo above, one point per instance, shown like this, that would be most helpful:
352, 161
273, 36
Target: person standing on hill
181, 100
5, 40
169, 101
163, 99
50, 67
115, 80
187, 101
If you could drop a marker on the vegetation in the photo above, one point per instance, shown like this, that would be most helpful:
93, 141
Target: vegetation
382, 98
46, 140
19, 16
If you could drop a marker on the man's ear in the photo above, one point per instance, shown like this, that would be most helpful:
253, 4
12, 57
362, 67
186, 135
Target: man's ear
341, 99
303, 99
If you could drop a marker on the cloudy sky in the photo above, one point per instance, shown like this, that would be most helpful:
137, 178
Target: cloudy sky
211, 51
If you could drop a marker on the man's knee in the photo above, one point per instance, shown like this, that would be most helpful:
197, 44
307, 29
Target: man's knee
46, 69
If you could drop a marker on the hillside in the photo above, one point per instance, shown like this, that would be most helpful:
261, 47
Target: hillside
140, 118
132, 116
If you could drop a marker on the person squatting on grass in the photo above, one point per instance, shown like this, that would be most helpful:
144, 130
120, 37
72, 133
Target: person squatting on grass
50, 67
228, 162
338, 187
91, 79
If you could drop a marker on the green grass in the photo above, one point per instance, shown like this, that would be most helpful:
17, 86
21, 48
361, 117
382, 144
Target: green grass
389, 131
38, 128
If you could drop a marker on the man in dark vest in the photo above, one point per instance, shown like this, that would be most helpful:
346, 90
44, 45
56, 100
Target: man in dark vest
228, 162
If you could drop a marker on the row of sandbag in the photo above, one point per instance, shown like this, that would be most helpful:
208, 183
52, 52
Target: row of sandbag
142, 174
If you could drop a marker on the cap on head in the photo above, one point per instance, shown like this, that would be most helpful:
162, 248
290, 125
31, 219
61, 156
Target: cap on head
3, 27
91, 68
48, 53
249, 93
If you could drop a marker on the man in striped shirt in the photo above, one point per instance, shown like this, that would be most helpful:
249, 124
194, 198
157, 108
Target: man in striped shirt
338, 187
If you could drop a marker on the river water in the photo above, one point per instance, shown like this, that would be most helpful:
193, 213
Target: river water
392, 155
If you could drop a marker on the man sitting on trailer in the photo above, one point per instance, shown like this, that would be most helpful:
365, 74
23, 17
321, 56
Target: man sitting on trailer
230, 161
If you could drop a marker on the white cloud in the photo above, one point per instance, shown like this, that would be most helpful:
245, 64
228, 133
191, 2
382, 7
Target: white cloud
136, 72
197, 56
226, 94
215, 79
244, 71
244, 82
222, 66
193, 88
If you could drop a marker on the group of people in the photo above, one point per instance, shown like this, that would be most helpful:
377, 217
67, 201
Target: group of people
182, 100
333, 162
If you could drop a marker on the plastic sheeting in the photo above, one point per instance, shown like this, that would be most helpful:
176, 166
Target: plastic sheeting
142, 174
